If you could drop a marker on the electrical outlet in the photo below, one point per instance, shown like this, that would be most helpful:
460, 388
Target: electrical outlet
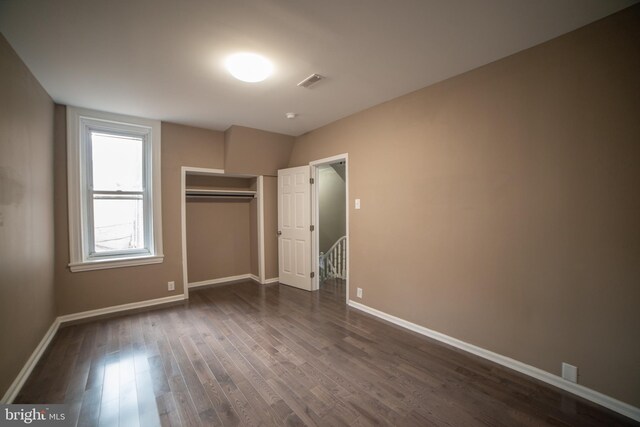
570, 372
359, 292
171, 286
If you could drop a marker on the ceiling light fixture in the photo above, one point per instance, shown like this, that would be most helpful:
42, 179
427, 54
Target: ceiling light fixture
291, 115
249, 67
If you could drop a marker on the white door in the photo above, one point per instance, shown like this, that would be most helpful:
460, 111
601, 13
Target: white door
294, 231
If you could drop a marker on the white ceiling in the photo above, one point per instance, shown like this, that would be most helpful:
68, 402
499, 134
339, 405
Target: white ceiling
162, 59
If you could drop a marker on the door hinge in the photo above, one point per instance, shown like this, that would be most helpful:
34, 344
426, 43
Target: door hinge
311, 181
312, 227
313, 274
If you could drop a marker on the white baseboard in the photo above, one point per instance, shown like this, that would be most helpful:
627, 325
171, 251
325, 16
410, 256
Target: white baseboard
118, 308
577, 389
265, 282
31, 363
233, 279
220, 280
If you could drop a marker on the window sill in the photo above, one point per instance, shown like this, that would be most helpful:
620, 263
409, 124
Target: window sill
115, 263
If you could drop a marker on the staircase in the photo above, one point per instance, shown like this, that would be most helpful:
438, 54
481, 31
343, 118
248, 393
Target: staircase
333, 263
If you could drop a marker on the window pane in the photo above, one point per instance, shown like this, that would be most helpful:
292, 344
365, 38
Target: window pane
118, 224
117, 162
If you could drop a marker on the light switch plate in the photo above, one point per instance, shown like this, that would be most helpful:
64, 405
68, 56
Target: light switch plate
357, 203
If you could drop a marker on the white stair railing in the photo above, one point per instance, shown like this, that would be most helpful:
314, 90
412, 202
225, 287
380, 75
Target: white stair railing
333, 263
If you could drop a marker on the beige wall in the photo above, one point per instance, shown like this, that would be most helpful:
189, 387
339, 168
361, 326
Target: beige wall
331, 203
502, 206
81, 291
256, 152
218, 238
219, 182
27, 306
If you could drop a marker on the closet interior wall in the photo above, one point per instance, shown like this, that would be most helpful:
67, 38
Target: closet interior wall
221, 232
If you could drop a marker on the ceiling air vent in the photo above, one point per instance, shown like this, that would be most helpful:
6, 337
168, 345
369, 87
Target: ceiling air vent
311, 80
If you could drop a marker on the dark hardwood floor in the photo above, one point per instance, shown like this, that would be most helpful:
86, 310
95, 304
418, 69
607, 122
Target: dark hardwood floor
246, 354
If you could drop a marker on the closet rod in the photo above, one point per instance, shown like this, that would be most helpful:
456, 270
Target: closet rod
220, 196
219, 193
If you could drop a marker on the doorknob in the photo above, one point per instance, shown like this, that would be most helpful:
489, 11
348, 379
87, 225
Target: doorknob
279, 233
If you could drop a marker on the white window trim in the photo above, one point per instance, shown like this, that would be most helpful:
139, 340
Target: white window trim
76, 169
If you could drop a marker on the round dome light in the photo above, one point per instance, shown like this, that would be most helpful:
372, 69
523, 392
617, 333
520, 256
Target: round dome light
249, 67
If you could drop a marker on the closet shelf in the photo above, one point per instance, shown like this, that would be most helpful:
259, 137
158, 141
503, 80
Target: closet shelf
199, 192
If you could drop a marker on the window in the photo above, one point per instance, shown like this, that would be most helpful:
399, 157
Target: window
114, 190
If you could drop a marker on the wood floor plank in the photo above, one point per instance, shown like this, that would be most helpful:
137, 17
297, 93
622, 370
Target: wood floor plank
80, 371
182, 399
241, 379
290, 374
147, 406
110, 397
109, 413
90, 409
255, 374
56, 379
367, 404
128, 398
248, 415
272, 355
189, 393
218, 398
288, 387
95, 377
167, 411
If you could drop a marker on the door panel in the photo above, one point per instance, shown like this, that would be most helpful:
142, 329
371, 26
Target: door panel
294, 219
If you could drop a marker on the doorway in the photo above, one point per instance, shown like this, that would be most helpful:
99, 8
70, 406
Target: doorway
300, 262
329, 200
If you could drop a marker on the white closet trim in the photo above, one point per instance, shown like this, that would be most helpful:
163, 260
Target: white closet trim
258, 194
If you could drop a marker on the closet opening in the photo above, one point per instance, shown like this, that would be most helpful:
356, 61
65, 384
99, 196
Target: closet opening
221, 230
